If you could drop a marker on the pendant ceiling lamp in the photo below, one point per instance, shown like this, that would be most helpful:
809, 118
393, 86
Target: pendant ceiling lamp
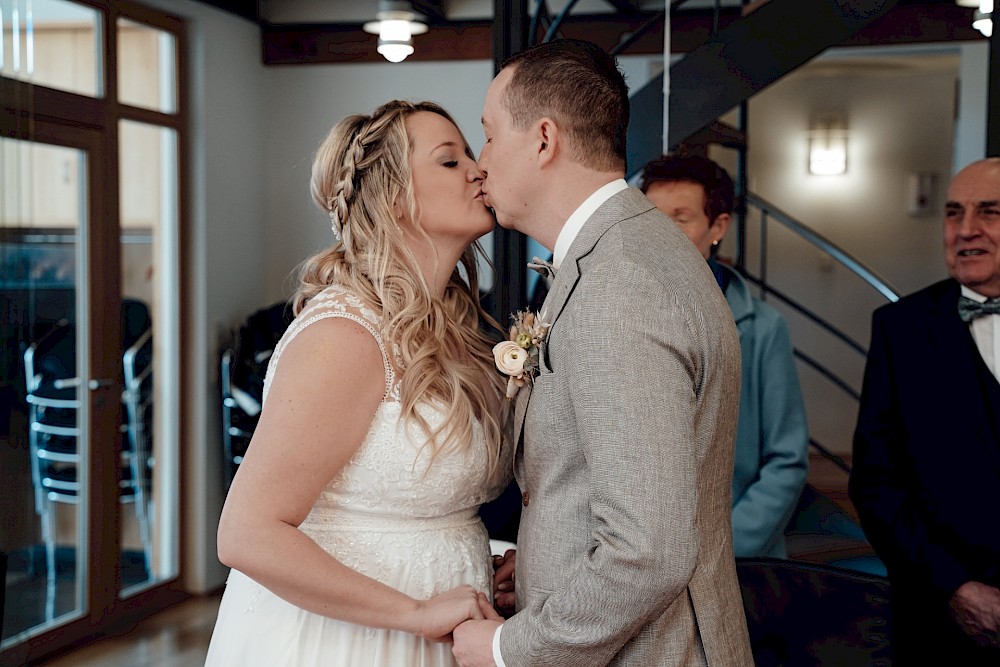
982, 18
395, 24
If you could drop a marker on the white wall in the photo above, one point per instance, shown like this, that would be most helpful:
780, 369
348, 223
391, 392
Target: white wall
224, 249
304, 102
901, 120
970, 121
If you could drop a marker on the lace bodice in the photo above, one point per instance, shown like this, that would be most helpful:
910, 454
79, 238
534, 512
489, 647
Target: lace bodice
391, 476
335, 301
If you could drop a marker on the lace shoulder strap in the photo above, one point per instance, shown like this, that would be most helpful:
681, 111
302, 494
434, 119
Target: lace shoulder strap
336, 301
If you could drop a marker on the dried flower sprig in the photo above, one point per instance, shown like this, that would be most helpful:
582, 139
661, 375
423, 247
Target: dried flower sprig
517, 357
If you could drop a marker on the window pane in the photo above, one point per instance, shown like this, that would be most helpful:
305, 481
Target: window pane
53, 43
146, 67
148, 168
43, 424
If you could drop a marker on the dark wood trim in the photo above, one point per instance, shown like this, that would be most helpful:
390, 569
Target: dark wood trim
51, 104
347, 43
140, 115
187, 250
301, 44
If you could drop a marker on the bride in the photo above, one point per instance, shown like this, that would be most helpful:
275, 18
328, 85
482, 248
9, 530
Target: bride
351, 527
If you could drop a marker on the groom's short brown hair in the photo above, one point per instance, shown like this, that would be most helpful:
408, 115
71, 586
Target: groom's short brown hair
579, 86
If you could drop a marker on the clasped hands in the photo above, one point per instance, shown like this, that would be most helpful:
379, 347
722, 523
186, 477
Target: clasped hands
474, 638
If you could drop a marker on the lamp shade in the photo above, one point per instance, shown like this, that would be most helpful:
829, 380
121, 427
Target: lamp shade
395, 52
396, 23
982, 20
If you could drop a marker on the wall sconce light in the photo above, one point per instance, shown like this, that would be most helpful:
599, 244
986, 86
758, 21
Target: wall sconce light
395, 24
828, 146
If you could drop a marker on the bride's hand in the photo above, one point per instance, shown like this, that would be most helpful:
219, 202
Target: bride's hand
437, 617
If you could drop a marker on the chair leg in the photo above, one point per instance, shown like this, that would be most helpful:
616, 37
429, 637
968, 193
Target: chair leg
49, 537
142, 515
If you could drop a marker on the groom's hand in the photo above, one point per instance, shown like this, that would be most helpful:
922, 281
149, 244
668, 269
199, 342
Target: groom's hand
503, 583
474, 639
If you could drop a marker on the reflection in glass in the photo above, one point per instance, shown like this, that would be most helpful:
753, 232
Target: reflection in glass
43, 424
52, 43
146, 67
148, 171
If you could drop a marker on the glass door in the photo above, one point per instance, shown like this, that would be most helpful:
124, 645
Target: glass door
47, 383
90, 135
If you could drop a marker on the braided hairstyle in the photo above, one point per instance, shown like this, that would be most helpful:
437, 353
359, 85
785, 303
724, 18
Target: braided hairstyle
360, 171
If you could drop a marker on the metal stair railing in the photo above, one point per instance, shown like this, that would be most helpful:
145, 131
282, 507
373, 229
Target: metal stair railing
770, 212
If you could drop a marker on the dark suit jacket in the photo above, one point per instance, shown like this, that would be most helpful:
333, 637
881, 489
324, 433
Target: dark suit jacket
926, 479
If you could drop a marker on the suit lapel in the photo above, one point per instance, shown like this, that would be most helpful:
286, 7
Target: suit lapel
520, 408
625, 204
622, 205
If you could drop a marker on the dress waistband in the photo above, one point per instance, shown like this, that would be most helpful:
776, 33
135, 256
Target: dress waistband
344, 520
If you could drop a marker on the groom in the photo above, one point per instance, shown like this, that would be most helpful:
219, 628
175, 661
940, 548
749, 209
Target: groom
626, 433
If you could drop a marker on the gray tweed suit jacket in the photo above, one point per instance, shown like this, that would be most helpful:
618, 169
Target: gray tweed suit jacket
625, 547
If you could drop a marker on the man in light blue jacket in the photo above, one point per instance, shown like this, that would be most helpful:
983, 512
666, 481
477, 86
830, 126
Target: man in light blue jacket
772, 436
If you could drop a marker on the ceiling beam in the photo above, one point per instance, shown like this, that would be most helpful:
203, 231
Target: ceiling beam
288, 44
432, 9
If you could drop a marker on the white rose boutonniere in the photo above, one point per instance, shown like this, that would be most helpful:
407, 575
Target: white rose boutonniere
517, 358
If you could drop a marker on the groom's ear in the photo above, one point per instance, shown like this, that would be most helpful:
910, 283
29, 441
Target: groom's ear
548, 140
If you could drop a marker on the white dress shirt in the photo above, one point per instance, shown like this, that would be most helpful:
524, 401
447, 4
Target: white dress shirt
575, 222
986, 332
567, 235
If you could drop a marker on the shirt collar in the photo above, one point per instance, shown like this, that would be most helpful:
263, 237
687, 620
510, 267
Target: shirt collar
575, 222
972, 294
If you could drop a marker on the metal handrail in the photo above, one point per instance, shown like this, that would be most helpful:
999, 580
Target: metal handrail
830, 456
802, 310
876, 281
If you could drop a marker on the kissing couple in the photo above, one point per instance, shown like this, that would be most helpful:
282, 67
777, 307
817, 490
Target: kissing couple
351, 527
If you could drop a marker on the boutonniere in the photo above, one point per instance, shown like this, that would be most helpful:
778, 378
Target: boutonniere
517, 358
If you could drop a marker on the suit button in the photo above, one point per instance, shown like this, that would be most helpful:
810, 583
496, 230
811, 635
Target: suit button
525, 498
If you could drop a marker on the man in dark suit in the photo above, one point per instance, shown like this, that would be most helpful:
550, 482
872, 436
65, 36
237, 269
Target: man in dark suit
926, 478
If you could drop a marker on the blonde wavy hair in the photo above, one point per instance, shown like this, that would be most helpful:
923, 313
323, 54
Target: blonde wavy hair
360, 170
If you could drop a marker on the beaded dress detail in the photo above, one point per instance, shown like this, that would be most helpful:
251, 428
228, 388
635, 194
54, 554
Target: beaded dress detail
390, 514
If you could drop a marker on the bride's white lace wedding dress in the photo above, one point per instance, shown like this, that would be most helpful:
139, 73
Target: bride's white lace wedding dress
387, 515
